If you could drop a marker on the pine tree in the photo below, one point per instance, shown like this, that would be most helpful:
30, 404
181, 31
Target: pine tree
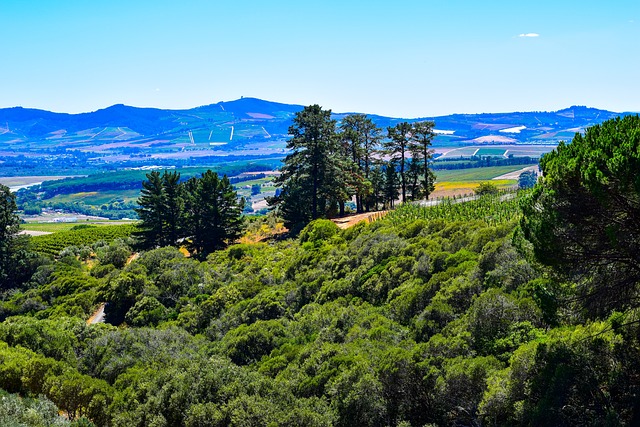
360, 137
413, 178
398, 147
313, 175
9, 225
376, 177
213, 213
421, 137
150, 212
173, 205
390, 184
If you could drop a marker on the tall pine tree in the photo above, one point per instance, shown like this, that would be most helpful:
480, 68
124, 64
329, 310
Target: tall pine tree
173, 206
312, 177
150, 212
204, 212
213, 213
421, 137
361, 138
398, 147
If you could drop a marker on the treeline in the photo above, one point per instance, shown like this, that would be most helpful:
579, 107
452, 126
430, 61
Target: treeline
32, 200
452, 163
121, 180
331, 164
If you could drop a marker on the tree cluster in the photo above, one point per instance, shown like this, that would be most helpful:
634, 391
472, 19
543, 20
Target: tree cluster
332, 164
203, 212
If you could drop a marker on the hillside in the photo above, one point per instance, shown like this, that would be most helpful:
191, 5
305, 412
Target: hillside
429, 316
244, 128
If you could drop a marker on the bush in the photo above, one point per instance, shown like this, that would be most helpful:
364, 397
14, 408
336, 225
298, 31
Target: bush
486, 188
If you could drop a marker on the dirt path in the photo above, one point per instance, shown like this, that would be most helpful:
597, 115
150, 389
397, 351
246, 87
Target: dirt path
97, 316
351, 220
35, 233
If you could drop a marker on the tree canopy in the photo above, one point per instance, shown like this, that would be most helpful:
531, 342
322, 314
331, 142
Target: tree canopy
583, 216
327, 169
203, 211
9, 223
307, 173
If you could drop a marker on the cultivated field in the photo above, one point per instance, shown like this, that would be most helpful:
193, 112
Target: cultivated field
519, 150
56, 227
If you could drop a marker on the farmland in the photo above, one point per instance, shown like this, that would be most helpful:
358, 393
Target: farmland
52, 244
56, 227
517, 150
475, 174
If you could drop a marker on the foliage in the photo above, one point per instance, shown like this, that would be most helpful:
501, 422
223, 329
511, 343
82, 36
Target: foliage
212, 213
38, 412
203, 210
361, 138
583, 217
53, 244
397, 147
434, 315
311, 176
17, 262
486, 188
422, 135
527, 179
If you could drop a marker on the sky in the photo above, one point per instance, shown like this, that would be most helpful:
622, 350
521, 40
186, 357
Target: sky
401, 59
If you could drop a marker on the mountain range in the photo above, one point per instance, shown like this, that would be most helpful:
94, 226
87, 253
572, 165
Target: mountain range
251, 126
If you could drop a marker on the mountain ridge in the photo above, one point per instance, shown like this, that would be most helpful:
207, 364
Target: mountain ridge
251, 127
293, 108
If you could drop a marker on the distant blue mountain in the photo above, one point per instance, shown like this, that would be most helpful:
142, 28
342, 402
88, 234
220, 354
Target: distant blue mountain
254, 125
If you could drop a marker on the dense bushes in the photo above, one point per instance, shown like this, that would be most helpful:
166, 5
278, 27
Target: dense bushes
415, 319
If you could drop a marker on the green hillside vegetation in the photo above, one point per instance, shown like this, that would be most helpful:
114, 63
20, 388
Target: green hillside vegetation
416, 320
501, 311
52, 244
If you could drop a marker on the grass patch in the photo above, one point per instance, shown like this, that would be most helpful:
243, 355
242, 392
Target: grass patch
491, 152
475, 174
97, 198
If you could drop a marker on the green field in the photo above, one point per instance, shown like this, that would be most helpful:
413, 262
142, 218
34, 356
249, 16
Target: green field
52, 244
475, 174
516, 150
55, 227
491, 151
98, 197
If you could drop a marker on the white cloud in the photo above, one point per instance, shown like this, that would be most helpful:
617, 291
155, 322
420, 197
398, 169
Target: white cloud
529, 35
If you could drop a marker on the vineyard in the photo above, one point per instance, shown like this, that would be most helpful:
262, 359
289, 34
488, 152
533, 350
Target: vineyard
492, 209
52, 244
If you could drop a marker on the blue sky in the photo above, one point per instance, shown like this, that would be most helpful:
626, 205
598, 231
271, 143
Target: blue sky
401, 58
